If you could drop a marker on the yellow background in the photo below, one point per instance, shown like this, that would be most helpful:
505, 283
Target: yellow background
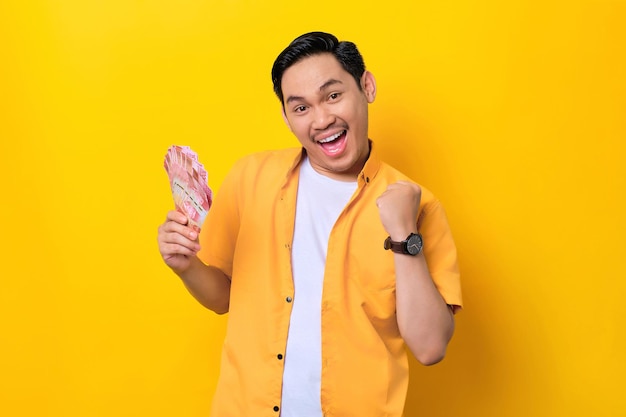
513, 113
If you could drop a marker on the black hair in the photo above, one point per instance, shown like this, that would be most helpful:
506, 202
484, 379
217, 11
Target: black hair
315, 43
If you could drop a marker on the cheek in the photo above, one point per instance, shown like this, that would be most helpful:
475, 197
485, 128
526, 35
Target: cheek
361, 116
351, 112
300, 129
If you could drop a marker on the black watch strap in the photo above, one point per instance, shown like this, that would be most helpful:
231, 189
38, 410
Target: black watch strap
412, 245
397, 247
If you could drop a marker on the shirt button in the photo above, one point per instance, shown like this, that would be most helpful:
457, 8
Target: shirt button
279, 356
367, 179
288, 299
276, 408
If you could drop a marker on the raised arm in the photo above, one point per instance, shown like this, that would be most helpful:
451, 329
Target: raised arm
425, 321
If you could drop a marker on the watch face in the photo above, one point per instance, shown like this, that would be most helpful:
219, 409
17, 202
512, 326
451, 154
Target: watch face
414, 244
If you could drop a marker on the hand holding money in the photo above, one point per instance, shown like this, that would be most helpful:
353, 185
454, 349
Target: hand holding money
188, 181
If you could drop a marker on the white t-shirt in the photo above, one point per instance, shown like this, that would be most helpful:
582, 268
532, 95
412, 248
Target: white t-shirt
320, 200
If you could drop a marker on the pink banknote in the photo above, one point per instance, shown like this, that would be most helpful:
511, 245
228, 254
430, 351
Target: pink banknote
188, 181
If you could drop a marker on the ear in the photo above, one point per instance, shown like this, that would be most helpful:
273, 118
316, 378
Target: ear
282, 111
368, 85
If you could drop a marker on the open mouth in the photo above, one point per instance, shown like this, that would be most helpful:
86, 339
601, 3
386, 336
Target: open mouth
334, 144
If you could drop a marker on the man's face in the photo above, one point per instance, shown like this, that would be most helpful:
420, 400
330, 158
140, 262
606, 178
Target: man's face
326, 110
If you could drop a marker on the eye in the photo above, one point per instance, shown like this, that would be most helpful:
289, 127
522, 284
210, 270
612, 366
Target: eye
299, 109
334, 96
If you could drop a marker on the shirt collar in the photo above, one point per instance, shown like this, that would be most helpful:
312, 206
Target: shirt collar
371, 167
367, 174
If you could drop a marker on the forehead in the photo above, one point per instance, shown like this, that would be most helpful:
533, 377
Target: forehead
309, 74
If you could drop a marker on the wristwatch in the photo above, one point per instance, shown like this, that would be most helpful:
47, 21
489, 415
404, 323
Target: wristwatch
412, 245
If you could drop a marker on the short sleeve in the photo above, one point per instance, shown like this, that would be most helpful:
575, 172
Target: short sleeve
218, 236
440, 252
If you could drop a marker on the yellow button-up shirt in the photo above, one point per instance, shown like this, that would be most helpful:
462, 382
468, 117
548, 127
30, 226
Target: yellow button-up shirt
248, 235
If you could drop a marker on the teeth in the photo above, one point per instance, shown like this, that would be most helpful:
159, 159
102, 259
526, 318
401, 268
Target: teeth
331, 138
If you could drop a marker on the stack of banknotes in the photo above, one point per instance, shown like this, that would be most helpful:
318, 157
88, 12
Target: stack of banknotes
189, 183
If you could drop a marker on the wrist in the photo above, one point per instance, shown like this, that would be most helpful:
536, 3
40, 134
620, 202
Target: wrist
401, 234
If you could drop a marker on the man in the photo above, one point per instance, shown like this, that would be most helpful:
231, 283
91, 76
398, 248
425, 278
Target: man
328, 260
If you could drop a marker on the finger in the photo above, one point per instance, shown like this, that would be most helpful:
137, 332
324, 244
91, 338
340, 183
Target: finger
170, 250
181, 239
172, 232
177, 216
171, 226
382, 200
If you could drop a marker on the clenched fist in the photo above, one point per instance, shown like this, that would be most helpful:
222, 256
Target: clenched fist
398, 207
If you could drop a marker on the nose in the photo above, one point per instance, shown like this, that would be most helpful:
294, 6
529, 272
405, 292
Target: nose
323, 118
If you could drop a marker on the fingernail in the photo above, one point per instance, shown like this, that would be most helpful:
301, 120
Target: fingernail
193, 235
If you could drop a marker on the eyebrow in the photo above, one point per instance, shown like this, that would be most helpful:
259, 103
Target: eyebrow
323, 87
330, 83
